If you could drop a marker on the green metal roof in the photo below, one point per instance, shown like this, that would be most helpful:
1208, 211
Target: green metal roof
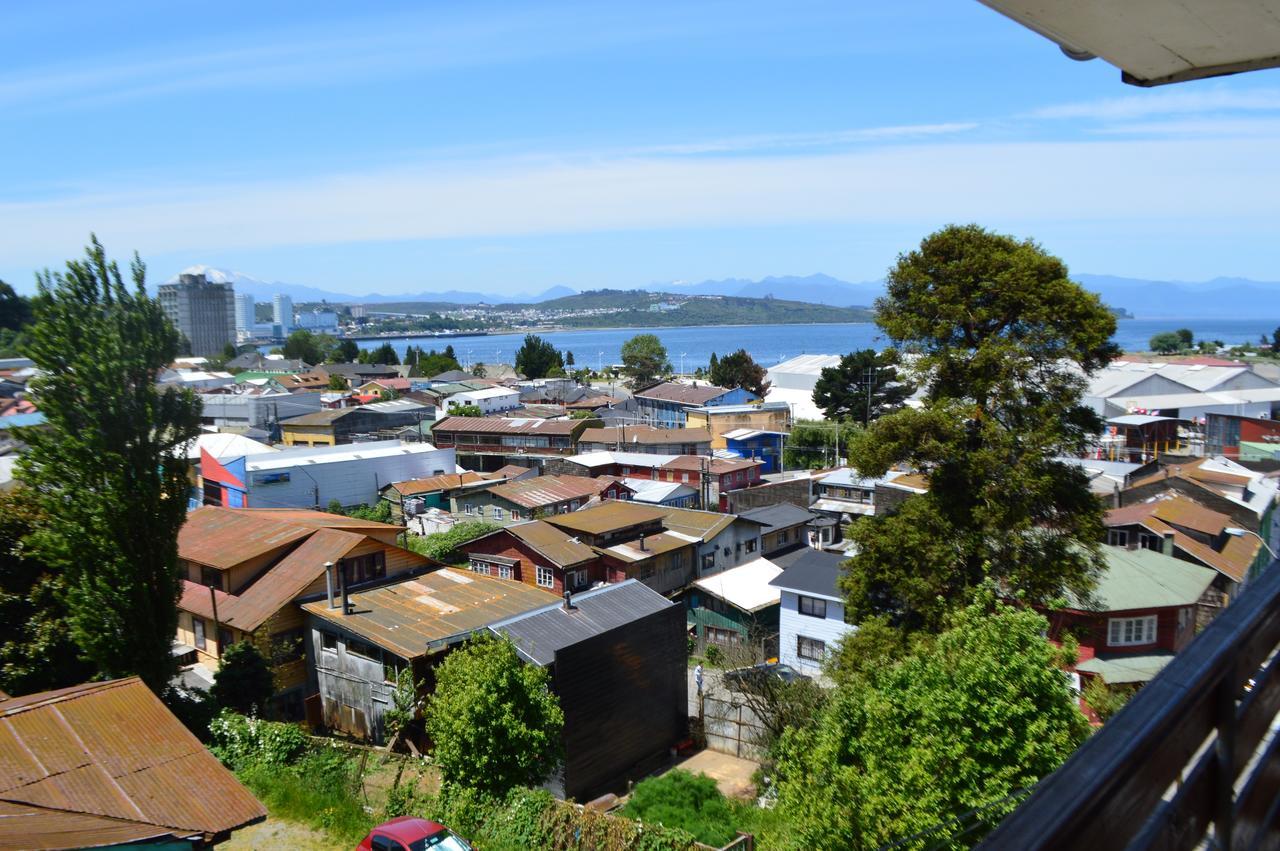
1145, 579
1118, 670
1257, 450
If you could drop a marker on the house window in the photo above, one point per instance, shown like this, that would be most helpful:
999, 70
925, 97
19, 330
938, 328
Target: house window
212, 577
480, 567
751, 545
812, 606
684, 477
363, 649
709, 561
810, 648
1149, 542
1118, 537
1123, 632
546, 577
497, 513
197, 626
578, 579
504, 571
516, 515
782, 536
717, 635
329, 641
469, 509
364, 568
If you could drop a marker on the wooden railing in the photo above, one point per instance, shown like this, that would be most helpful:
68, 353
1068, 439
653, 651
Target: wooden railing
1193, 758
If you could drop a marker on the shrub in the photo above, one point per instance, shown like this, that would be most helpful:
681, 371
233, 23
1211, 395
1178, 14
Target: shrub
685, 801
242, 742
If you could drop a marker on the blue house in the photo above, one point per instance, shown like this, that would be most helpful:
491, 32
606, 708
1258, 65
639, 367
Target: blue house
667, 405
756, 443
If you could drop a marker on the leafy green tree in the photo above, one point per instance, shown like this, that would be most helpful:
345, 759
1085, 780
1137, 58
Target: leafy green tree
108, 466
337, 382
36, 650
1166, 342
243, 682
1104, 699
1003, 341
977, 713
385, 355
1188, 339
466, 411
478, 370
379, 512
813, 445
740, 370
15, 310
449, 353
434, 363
644, 358
713, 364
536, 357
446, 546
842, 391
303, 345
1275, 340
406, 706
494, 720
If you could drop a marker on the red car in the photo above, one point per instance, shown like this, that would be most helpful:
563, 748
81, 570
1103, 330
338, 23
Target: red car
412, 834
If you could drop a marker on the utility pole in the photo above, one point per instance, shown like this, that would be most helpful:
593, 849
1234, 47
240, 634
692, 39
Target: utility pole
868, 376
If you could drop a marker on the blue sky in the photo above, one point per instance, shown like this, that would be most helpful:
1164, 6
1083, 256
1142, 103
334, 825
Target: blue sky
511, 147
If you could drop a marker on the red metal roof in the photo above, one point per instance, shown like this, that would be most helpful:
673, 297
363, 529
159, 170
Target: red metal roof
503, 425
113, 750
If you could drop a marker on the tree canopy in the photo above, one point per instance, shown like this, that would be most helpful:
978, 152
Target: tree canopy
842, 390
536, 357
644, 358
1002, 340
494, 720
243, 682
318, 348
740, 370
961, 723
110, 467
384, 354
1166, 342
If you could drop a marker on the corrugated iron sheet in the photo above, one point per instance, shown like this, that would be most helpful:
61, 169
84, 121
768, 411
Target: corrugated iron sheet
112, 749
684, 394
541, 491
38, 828
607, 517
554, 544
501, 425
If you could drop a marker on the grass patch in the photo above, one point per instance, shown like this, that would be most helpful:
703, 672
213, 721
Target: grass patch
320, 790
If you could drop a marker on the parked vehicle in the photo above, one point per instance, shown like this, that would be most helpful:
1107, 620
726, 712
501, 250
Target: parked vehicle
408, 833
746, 679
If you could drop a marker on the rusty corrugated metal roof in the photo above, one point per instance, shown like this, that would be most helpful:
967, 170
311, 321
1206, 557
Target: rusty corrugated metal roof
715, 466
112, 749
44, 829
643, 435
555, 544
445, 481
408, 617
540, 491
606, 517
220, 537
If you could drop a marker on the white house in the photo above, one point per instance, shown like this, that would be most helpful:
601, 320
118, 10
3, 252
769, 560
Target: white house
490, 400
811, 620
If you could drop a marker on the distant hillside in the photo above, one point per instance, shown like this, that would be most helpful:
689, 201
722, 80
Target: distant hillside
637, 308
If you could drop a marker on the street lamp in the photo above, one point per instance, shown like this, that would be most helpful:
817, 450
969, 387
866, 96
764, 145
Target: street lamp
1237, 532
682, 354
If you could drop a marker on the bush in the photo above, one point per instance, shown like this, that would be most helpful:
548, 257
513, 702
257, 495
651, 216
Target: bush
242, 742
685, 801
443, 546
1104, 699
321, 790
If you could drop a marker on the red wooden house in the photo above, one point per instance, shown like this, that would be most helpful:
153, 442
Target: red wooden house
536, 553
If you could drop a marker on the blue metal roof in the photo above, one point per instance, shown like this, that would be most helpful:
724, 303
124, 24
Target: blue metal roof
22, 420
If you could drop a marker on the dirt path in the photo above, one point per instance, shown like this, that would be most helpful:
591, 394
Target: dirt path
277, 833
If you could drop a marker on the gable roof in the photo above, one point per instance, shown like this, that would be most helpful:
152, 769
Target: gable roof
538, 491
1233, 560
782, 515
539, 634
556, 545
809, 571
1144, 579
643, 435
607, 516
223, 538
703, 525
431, 484
506, 425
683, 394
112, 750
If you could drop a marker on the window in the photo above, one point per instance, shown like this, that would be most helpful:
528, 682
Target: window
684, 477
504, 571
1122, 632
363, 648
329, 641
751, 545
810, 648
578, 579
197, 626
497, 513
364, 568
224, 639
546, 577
480, 567
212, 577
1149, 542
716, 635
1118, 537
813, 607
782, 536
516, 515
709, 561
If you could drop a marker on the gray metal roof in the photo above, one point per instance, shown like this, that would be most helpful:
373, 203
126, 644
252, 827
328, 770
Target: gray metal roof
542, 632
778, 516
810, 571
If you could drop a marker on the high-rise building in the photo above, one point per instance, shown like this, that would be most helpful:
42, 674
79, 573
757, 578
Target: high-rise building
283, 313
245, 315
205, 312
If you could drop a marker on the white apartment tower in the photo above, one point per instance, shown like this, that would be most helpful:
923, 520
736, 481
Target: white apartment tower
245, 315
283, 315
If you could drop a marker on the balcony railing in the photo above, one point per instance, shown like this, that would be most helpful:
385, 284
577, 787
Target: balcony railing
1192, 759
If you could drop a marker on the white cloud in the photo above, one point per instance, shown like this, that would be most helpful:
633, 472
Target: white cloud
1166, 102
1100, 184
1188, 127
834, 138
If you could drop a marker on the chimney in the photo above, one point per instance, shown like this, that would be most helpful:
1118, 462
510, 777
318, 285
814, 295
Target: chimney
1166, 543
642, 542
328, 582
568, 601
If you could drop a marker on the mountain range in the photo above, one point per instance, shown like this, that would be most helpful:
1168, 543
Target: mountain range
1219, 298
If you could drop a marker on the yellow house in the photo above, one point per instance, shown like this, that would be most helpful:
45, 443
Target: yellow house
718, 419
244, 569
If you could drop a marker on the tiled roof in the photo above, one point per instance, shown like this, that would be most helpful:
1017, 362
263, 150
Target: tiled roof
434, 609
684, 394
112, 750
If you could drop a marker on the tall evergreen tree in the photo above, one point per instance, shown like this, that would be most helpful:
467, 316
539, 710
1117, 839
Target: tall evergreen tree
740, 370
109, 467
536, 357
842, 390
